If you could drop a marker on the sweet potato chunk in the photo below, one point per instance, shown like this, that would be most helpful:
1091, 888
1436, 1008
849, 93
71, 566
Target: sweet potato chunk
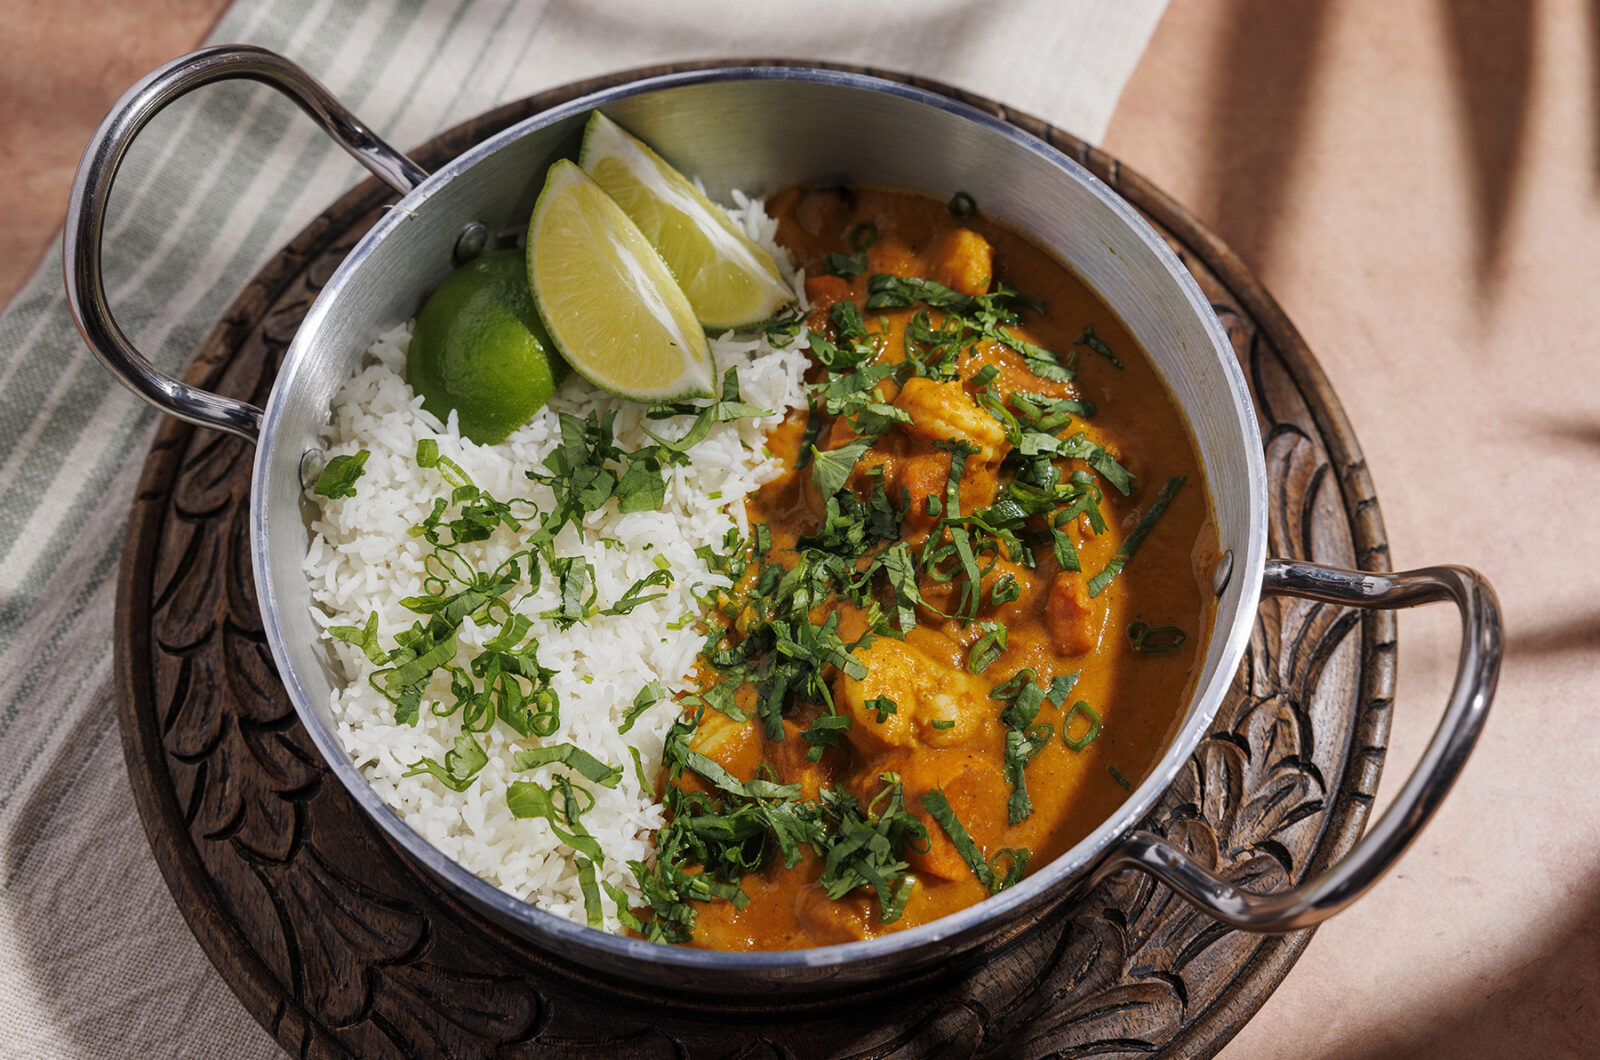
1071, 616
822, 291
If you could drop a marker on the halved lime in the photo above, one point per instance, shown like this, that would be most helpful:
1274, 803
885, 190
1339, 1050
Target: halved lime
479, 348
730, 281
607, 299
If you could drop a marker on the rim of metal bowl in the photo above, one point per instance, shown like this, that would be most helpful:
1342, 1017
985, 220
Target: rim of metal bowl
1249, 558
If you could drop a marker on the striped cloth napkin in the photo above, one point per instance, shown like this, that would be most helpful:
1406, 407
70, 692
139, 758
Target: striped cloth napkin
95, 960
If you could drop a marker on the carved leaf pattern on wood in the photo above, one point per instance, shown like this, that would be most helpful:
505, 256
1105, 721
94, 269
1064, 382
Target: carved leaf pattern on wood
367, 958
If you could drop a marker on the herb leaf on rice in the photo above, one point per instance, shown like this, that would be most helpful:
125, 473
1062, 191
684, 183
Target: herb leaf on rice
527, 609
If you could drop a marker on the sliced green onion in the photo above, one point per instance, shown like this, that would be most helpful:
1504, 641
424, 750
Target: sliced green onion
988, 648
1080, 708
863, 236
1016, 861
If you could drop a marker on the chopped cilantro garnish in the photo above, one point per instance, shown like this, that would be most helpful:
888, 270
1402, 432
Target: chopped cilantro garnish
636, 594
338, 479
776, 643
576, 578
363, 637
651, 694
645, 783
1025, 737
938, 807
461, 764
593, 913
831, 468
824, 733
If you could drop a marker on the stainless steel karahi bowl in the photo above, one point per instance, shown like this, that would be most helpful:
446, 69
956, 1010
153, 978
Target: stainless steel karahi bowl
759, 130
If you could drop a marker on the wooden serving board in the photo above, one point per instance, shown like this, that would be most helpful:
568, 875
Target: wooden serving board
341, 947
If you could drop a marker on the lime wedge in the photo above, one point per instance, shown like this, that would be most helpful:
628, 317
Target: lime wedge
478, 348
607, 299
730, 281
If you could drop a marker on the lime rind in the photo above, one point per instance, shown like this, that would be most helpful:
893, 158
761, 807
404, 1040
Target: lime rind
609, 303
479, 349
730, 281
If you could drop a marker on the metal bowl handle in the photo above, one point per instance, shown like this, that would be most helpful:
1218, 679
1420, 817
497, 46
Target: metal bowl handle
91, 191
1476, 673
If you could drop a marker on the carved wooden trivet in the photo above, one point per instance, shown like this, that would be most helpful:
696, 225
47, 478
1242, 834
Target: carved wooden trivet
341, 947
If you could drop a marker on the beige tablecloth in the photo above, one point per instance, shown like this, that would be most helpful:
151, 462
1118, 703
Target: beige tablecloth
95, 960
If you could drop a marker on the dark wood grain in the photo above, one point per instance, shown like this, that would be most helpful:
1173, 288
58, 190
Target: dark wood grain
341, 947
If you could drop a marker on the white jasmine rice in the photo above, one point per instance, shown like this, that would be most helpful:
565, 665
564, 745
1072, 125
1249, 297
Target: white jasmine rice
363, 560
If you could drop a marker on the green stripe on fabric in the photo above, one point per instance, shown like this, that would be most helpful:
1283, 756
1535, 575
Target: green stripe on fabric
522, 52
137, 423
91, 489
60, 636
90, 385
94, 386
43, 294
220, 106
74, 414
20, 775
265, 204
68, 785
491, 40
368, 77
444, 40
138, 173
25, 397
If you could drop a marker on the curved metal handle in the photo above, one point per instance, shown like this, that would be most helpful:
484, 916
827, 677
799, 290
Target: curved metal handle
91, 192
1476, 674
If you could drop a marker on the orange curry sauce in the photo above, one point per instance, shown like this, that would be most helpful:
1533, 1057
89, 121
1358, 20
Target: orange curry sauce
1053, 626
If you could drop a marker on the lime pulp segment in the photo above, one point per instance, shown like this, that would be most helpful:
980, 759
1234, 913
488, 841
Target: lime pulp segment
729, 280
610, 304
